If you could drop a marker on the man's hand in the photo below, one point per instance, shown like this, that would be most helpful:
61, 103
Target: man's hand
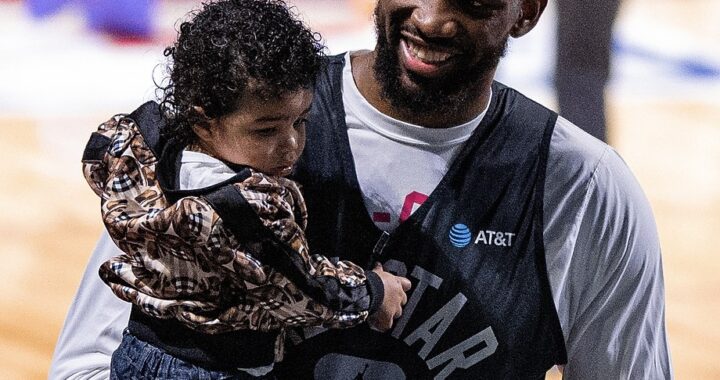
393, 301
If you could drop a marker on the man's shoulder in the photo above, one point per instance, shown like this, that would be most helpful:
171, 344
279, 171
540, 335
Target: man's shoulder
573, 152
588, 180
327, 99
332, 66
336, 58
602, 256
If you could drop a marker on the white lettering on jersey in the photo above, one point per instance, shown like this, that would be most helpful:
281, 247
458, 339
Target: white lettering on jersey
495, 238
457, 357
483, 344
424, 278
440, 321
434, 328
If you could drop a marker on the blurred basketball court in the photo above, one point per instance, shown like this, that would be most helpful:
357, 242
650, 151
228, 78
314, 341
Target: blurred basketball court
58, 81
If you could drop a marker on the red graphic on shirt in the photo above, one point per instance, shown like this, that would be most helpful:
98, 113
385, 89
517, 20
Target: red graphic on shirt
381, 217
411, 200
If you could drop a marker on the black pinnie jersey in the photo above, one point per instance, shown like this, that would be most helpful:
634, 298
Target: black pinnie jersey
480, 306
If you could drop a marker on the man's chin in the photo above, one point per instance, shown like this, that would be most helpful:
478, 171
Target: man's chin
416, 101
423, 94
410, 85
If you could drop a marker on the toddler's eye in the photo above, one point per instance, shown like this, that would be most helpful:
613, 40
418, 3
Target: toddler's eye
300, 123
267, 132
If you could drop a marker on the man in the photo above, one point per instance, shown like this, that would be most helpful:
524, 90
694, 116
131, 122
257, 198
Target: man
528, 242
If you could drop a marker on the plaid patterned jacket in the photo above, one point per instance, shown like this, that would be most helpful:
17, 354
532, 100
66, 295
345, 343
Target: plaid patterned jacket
183, 260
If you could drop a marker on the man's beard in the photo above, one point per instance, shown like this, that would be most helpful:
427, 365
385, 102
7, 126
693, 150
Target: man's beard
443, 95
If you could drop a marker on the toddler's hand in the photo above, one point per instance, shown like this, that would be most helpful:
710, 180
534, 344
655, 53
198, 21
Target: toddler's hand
393, 301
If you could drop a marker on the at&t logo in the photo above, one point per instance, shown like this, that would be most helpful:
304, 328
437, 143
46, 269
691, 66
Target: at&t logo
460, 235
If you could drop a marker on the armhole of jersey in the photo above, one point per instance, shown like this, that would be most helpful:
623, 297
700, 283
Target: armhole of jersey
558, 337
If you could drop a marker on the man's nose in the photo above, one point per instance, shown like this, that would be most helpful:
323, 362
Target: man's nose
436, 19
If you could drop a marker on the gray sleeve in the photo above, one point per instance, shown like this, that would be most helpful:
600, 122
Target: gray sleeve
93, 326
604, 262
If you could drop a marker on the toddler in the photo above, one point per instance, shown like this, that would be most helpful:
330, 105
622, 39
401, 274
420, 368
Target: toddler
215, 260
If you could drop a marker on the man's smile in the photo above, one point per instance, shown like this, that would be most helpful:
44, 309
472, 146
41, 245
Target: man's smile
422, 58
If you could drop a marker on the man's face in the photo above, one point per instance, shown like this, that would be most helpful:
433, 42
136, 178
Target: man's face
433, 54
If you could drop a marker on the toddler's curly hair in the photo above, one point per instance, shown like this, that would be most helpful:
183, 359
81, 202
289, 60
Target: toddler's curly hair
231, 48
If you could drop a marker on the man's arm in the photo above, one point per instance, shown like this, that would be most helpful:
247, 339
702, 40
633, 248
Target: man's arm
93, 326
605, 267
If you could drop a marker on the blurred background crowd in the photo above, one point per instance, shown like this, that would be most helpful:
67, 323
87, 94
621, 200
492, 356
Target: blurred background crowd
67, 65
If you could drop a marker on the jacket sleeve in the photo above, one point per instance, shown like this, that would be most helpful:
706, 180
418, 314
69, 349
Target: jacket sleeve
184, 263
341, 285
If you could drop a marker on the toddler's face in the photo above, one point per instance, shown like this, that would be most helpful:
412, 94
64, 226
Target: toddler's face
268, 136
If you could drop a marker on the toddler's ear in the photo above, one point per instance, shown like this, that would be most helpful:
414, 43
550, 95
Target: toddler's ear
202, 130
199, 110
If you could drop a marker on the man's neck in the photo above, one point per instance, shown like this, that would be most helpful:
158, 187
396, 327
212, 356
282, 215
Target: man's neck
371, 90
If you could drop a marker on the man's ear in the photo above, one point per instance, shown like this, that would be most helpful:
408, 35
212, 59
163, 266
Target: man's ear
530, 12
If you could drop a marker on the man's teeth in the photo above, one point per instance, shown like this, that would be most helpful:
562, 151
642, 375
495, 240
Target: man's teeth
427, 55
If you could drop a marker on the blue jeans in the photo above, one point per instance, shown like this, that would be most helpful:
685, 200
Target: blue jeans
135, 359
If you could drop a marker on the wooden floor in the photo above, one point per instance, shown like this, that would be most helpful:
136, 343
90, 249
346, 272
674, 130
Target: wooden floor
50, 218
